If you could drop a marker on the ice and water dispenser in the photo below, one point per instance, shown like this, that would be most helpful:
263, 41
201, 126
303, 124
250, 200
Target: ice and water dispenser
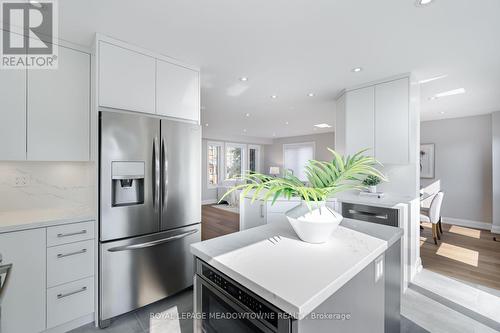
127, 183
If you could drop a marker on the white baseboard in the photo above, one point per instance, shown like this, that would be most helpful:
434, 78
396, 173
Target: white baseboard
209, 202
72, 324
467, 223
495, 229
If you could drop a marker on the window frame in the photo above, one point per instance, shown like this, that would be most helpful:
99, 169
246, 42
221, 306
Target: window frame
220, 165
298, 144
243, 148
258, 148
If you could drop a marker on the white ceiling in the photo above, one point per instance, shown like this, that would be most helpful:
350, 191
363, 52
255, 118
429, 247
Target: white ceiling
291, 48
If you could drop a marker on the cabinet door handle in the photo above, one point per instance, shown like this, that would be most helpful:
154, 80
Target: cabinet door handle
61, 255
72, 233
262, 210
62, 295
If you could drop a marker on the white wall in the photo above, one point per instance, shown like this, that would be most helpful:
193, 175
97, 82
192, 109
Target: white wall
463, 157
50, 185
273, 153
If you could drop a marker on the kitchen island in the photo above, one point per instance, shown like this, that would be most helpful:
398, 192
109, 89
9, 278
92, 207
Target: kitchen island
350, 283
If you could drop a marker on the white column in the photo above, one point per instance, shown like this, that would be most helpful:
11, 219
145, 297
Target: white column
495, 144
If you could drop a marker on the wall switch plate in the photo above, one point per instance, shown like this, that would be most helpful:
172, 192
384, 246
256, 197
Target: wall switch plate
379, 268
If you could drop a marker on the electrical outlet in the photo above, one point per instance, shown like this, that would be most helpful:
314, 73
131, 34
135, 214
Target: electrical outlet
22, 180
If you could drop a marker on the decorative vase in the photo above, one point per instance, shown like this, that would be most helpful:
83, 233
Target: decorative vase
314, 225
373, 189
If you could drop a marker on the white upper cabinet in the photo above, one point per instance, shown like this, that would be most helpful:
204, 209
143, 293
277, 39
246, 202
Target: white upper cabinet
376, 117
359, 119
13, 115
126, 79
59, 109
177, 91
392, 122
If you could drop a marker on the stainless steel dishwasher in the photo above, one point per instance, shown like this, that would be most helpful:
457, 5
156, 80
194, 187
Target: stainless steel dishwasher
374, 214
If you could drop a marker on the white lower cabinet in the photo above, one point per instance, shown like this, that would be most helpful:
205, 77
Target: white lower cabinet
23, 301
70, 301
69, 262
252, 214
259, 213
48, 285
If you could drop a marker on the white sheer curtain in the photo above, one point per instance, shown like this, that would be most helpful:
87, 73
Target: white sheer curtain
295, 157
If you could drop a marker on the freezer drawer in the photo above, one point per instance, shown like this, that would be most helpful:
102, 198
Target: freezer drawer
142, 270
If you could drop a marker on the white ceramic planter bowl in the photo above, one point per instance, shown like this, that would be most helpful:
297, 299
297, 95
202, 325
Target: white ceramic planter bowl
315, 225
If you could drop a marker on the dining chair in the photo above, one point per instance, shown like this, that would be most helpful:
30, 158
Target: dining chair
434, 216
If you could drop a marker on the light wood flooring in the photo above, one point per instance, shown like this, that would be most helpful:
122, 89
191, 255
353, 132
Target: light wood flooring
463, 253
217, 222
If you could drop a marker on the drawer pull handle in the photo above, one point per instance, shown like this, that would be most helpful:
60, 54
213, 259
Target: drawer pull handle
355, 212
59, 296
72, 233
61, 255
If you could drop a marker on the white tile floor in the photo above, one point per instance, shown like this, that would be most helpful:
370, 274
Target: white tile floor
478, 303
436, 317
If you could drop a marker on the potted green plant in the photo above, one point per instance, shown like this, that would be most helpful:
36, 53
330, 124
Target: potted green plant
371, 182
312, 220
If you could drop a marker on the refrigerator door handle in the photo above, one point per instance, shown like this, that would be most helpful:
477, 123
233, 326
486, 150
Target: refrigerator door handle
152, 243
156, 175
165, 173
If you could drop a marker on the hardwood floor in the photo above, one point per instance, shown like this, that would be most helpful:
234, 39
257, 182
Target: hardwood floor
463, 253
217, 222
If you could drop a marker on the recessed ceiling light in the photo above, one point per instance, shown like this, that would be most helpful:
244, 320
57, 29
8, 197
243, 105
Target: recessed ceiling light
274, 134
357, 69
310, 94
323, 125
243, 78
422, 3
244, 130
442, 112
274, 96
433, 79
286, 122
448, 93
247, 114
206, 125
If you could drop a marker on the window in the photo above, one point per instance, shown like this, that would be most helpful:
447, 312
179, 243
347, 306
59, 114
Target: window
295, 157
235, 160
214, 161
253, 158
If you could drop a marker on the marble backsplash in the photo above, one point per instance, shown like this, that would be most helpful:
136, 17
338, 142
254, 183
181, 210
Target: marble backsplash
46, 185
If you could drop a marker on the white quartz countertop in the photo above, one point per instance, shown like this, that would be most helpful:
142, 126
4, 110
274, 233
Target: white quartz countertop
39, 218
295, 276
388, 200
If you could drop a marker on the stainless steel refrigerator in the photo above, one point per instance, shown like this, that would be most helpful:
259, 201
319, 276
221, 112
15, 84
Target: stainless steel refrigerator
149, 209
